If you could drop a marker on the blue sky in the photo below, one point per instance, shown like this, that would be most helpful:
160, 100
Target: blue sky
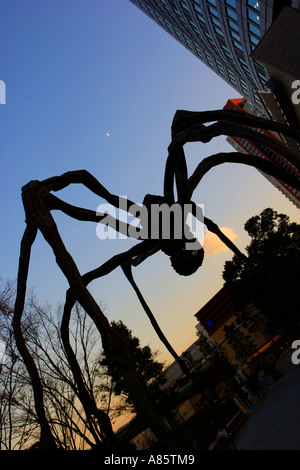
74, 71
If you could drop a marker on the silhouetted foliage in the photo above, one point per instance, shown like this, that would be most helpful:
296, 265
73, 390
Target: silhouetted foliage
148, 369
273, 280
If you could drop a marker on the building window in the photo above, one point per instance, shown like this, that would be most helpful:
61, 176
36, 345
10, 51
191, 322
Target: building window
231, 75
198, 9
178, 14
193, 25
231, 14
219, 67
256, 97
225, 49
220, 70
208, 58
232, 3
254, 4
213, 2
262, 78
253, 17
185, 7
254, 40
216, 22
244, 86
208, 36
235, 36
253, 29
258, 64
213, 11
238, 46
244, 64
218, 31
233, 26
200, 17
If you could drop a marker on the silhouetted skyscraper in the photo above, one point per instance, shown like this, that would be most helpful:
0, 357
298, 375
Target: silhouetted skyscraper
222, 34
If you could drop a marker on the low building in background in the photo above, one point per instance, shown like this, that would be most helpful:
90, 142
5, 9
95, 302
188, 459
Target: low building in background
250, 147
218, 313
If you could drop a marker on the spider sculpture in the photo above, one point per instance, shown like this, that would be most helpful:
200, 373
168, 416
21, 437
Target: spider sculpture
39, 201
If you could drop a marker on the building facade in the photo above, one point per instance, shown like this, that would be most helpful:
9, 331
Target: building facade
215, 313
173, 372
218, 313
222, 34
284, 65
257, 149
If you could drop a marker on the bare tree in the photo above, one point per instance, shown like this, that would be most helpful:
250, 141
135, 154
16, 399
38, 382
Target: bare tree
18, 422
72, 426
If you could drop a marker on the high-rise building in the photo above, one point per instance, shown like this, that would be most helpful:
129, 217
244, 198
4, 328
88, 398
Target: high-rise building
222, 34
262, 151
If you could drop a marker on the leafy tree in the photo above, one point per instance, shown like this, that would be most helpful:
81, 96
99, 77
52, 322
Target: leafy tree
148, 369
215, 354
272, 278
240, 341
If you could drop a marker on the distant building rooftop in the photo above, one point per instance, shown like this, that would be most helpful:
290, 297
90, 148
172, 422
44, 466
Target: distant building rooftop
216, 311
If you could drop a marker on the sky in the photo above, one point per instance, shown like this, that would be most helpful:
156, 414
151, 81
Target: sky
94, 84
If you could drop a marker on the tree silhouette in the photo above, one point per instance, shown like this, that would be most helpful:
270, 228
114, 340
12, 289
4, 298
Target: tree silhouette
70, 421
274, 255
148, 369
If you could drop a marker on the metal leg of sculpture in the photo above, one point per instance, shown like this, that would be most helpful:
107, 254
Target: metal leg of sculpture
113, 344
87, 400
46, 437
105, 437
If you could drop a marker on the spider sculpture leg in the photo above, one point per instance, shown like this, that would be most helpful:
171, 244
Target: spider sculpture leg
141, 251
186, 121
189, 127
38, 216
85, 397
46, 438
98, 421
133, 256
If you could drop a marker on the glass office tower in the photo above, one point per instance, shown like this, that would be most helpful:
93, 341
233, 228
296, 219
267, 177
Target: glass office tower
222, 34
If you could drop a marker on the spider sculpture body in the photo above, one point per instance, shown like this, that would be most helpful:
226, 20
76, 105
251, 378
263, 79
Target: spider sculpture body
39, 201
